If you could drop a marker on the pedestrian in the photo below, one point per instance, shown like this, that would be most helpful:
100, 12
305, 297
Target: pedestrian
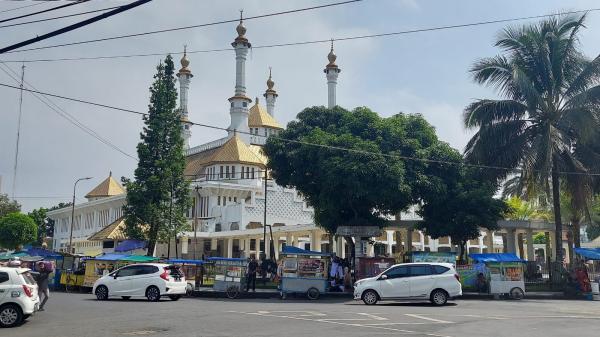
251, 274
42, 282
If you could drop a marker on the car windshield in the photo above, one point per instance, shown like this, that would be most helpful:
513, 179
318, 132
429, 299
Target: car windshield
28, 278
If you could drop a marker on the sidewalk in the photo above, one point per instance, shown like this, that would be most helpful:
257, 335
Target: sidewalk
532, 295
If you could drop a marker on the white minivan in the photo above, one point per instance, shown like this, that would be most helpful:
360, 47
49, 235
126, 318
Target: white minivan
436, 282
18, 296
150, 280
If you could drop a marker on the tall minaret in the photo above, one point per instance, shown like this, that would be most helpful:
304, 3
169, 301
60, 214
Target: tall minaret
239, 101
331, 70
270, 95
184, 75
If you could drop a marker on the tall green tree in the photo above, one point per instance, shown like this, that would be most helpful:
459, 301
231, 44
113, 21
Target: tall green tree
8, 206
41, 221
549, 114
17, 229
159, 195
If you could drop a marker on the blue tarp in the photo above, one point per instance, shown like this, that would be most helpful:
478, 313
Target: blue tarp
496, 257
110, 257
224, 259
291, 250
185, 261
129, 245
589, 253
47, 254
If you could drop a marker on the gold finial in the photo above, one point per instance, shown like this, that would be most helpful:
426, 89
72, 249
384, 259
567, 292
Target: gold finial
270, 82
256, 102
184, 61
331, 56
241, 30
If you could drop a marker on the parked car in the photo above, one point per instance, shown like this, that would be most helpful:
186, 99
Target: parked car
18, 296
436, 282
150, 280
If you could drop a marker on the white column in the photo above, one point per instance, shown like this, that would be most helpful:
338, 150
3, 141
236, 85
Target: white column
332, 71
422, 240
315, 240
390, 242
480, 242
213, 244
408, 241
239, 102
229, 243
247, 247
489, 241
530, 250
511, 246
289, 241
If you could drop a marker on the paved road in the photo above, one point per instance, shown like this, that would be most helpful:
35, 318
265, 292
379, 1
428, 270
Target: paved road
79, 315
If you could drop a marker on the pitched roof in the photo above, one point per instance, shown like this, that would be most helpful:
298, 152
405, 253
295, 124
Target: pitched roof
236, 151
259, 117
194, 163
113, 231
108, 188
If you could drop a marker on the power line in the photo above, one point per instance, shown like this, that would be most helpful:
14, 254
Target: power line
308, 42
44, 11
14, 182
16, 8
331, 147
75, 26
70, 118
186, 27
58, 17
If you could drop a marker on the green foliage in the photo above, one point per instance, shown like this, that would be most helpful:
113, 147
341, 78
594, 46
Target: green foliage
159, 195
593, 229
41, 221
17, 229
461, 203
357, 187
8, 206
549, 118
519, 209
539, 238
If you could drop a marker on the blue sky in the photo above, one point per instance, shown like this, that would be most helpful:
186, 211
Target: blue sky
418, 73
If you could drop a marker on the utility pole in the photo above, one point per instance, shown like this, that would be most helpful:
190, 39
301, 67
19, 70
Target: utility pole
73, 217
196, 217
14, 182
265, 219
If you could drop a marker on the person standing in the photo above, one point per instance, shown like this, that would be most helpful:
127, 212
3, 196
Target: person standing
251, 279
42, 282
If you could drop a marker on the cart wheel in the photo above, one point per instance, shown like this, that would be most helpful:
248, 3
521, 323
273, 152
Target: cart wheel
313, 293
283, 295
516, 293
233, 292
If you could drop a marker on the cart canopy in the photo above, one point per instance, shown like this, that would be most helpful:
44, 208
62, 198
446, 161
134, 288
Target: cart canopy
125, 257
129, 245
497, 257
185, 261
589, 253
45, 253
291, 250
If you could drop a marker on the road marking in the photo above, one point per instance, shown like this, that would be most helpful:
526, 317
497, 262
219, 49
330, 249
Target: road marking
429, 319
377, 318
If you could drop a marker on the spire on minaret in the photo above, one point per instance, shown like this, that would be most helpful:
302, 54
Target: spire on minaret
332, 71
270, 95
184, 75
239, 101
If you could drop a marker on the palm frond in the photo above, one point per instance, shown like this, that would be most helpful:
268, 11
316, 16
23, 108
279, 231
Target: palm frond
487, 111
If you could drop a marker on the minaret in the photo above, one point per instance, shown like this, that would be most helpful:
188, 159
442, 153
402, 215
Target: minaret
184, 75
331, 70
270, 95
239, 101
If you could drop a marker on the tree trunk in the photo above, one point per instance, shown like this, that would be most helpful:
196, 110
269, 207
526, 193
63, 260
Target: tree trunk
557, 215
576, 233
462, 247
570, 242
520, 244
350, 244
152, 239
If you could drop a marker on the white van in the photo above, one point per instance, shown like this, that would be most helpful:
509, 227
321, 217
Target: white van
150, 280
436, 282
18, 296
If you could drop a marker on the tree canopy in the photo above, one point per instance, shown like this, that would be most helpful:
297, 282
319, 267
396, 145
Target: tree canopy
41, 221
17, 229
8, 206
159, 195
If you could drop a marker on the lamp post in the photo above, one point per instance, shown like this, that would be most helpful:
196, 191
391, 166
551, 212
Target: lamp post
73, 214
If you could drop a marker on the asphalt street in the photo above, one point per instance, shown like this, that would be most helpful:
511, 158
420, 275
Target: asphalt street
79, 315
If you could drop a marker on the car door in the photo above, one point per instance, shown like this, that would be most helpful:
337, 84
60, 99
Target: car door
5, 285
121, 283
421, 280
393, 283
142, 279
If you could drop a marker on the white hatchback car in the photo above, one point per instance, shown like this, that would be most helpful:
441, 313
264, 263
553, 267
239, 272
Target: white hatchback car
436, 282
18, 296
150, 280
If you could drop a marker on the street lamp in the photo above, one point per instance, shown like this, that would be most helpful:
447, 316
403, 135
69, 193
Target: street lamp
73, 214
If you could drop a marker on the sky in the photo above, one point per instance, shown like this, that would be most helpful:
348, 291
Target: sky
424, 73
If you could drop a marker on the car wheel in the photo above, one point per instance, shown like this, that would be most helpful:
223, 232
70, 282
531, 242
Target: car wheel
153, 294
313, 293
102, 293
370, 297
125, 297
439, 297
10, 315
517, 293
232, 292
174, 297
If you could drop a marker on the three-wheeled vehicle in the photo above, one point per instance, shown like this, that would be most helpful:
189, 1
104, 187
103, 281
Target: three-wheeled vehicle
304, 271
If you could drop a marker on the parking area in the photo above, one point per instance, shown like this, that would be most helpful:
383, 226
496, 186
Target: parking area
80, 315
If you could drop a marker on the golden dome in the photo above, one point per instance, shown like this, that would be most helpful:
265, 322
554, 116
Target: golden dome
270, 82
331, 56
241, 30
185, 63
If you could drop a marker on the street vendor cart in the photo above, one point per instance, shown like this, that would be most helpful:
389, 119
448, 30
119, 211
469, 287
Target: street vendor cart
503, 272
229, 275
193, 271
304, 271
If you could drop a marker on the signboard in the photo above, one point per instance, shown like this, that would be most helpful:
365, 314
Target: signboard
439, 257
359, 231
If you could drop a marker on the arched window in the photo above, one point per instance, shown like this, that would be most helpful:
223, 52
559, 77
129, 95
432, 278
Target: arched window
234, 226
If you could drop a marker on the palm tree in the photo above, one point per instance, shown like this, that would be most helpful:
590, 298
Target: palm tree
549, 113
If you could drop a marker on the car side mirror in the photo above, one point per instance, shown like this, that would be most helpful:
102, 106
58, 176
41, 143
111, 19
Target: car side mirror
383, 277
115, 277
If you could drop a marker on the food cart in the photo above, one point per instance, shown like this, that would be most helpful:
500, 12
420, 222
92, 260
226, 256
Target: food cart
503, 273
591, 259
229, 275
304, 271
193, 271
96, 267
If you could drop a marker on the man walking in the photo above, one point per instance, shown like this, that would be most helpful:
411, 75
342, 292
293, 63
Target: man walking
42, 282
252, 266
